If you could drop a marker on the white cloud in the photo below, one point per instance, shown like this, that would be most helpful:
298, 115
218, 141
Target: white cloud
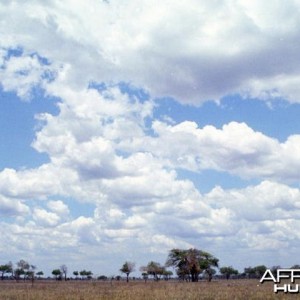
23, 73
235, 148
103, 148
45, 218
58, 207
13, 207
213, 49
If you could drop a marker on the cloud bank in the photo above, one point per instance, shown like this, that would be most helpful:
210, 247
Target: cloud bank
106, 149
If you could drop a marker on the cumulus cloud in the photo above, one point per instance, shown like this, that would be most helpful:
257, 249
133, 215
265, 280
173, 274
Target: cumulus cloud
13, 207
45, 218
23, 73
58, 207
213, 49
106, 148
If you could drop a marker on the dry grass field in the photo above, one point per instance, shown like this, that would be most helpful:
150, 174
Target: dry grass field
138, 290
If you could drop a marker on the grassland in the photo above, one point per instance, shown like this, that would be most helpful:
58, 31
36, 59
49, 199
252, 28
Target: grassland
138, 290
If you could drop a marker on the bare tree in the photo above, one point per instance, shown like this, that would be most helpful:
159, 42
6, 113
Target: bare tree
64, 271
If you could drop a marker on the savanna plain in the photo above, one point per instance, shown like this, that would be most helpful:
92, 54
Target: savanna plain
137, 290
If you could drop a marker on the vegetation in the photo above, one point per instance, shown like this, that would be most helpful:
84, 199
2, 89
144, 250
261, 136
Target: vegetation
189, 264
127, 268
228, 271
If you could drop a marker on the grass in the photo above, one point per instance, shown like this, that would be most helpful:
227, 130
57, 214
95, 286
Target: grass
138, 290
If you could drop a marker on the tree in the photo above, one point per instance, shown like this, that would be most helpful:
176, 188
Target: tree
167, 274
40, 273
127, 268
191, 263
292, 267
25, 269
64, 271
87, 274
76, 273
57, 274
228, 271
249, 272
153, 268
255, 272
208, 263
7, 268
145, 276
30, 272
275, 268
260, 270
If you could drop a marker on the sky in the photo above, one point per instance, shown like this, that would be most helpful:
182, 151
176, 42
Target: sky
129, 128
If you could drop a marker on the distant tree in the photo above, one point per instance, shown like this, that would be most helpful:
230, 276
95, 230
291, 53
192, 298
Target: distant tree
76, 273
192, 262
255, 272
145, 276
294, 267
207, 264
154, 269
7, 268
260, 270
57, 274
167, 274
127, 268
40, 274
64, 271
228, 271
86, 274
249, 272
30, 273
82, 274
25, 269
89, 274
102, 277
274, 270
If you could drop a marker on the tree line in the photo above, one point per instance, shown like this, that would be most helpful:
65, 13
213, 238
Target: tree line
188, 265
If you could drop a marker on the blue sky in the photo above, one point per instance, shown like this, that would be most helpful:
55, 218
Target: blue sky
149, 133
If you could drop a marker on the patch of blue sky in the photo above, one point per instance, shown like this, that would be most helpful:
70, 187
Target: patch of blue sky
279, 121
206, 180
19, 51
17, 128
132, 91
77, 209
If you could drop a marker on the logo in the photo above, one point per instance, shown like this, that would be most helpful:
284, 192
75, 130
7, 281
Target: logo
288, 275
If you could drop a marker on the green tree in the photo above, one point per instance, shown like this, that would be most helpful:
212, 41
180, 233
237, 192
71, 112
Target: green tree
192, 262
167, 274
89, 274
260, 270
57, 274
154, 269
76, 273
7, 268
127, 268
40, 274
255, 272
228, 271
86, 274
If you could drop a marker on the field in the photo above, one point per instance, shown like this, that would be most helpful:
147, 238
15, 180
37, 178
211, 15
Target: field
138, 290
